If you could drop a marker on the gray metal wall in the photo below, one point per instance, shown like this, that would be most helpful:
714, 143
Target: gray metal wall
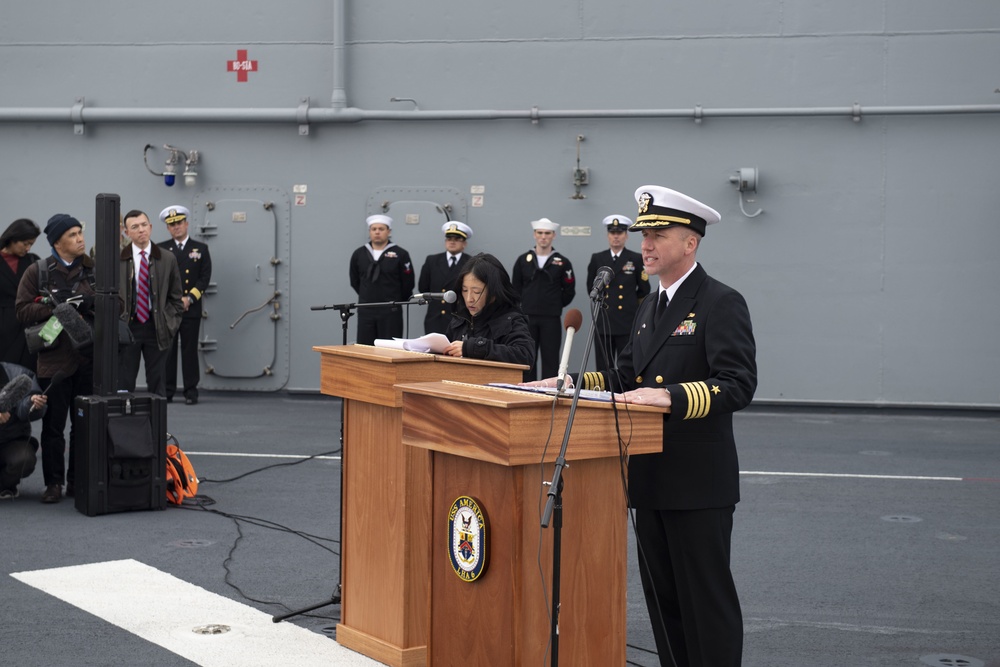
871, 275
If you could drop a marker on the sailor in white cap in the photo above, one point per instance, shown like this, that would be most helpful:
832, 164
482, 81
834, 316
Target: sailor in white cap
439, 272
627, 288
546, 283
195, 264
691, 350
380, 271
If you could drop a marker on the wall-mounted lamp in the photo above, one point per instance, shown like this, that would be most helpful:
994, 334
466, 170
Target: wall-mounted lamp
169, 172
581, 175
190, 173
746, 181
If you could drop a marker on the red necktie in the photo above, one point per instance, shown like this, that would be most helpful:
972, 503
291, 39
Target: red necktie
142, 289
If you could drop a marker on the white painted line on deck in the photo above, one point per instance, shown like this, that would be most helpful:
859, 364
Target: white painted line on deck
245, 455
920, 478
764, 473
164, 610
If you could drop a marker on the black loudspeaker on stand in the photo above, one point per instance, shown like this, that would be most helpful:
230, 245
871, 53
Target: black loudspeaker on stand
120, 455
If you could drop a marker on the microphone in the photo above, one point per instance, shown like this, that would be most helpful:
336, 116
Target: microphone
604, 276
14, 392
572, 322
79, 332
447, 297
56, 379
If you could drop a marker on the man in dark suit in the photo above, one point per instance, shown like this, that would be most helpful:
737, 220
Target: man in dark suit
622, 295
439, 272
150, 284
691, 350
195, 264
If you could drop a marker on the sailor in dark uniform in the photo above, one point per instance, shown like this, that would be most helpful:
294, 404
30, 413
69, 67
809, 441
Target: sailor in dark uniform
195, 264
380, 271
439, 272
691, 350
546, 283
622, 295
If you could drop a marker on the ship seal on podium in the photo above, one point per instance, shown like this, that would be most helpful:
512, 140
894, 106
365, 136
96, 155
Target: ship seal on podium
468, 546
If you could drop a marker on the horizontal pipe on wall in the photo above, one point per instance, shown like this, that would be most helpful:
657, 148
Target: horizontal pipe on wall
291, 115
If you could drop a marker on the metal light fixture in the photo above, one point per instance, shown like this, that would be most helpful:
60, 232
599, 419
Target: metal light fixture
746, 181
170, 167
581, 175
190, 173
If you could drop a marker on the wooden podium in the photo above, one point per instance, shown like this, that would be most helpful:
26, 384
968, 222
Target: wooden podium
385, 547
488, 444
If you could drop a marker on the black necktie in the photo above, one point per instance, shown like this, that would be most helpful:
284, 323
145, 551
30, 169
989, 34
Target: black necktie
180, 247
451, 261
661, 307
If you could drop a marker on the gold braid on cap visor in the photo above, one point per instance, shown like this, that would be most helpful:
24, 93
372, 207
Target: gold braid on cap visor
661, 218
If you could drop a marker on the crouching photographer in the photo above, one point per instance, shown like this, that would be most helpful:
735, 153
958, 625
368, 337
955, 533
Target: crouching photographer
21, 402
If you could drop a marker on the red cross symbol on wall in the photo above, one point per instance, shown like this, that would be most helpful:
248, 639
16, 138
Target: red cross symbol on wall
241, 65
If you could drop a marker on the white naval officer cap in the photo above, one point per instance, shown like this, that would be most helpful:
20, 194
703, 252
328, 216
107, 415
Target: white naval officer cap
544, 223
661, 207
457, 228
174, 214
617, 222
379, 219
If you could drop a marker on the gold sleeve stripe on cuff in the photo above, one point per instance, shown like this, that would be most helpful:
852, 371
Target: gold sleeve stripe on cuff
593, 381
195, 292
699, 399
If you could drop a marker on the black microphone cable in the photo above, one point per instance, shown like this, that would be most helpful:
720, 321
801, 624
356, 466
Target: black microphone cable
205, 503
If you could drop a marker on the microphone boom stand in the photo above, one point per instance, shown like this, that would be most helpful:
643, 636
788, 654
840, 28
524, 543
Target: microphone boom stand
554, 505
346, 311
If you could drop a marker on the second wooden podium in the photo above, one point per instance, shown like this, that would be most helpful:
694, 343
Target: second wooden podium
492, 451
385, 549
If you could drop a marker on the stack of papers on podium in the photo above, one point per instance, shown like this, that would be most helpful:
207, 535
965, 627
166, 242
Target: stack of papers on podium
587, 394
432, 342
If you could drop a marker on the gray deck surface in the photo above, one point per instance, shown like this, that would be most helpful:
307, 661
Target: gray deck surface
881, 566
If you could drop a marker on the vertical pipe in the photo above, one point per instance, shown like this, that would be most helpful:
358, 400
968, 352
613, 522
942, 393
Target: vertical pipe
339, 99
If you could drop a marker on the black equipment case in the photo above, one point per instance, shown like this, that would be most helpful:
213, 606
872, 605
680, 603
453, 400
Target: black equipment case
121, 453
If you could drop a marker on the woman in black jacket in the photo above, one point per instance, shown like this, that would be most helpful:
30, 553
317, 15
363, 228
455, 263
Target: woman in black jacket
488, 323
15, 244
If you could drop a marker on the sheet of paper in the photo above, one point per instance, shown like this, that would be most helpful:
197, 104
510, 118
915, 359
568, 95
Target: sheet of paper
432, 342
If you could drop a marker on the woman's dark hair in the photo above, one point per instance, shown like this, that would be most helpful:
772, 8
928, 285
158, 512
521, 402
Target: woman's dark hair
21, 229
490, 271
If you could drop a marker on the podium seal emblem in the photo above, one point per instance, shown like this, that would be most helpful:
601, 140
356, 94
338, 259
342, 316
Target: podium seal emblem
468, 532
